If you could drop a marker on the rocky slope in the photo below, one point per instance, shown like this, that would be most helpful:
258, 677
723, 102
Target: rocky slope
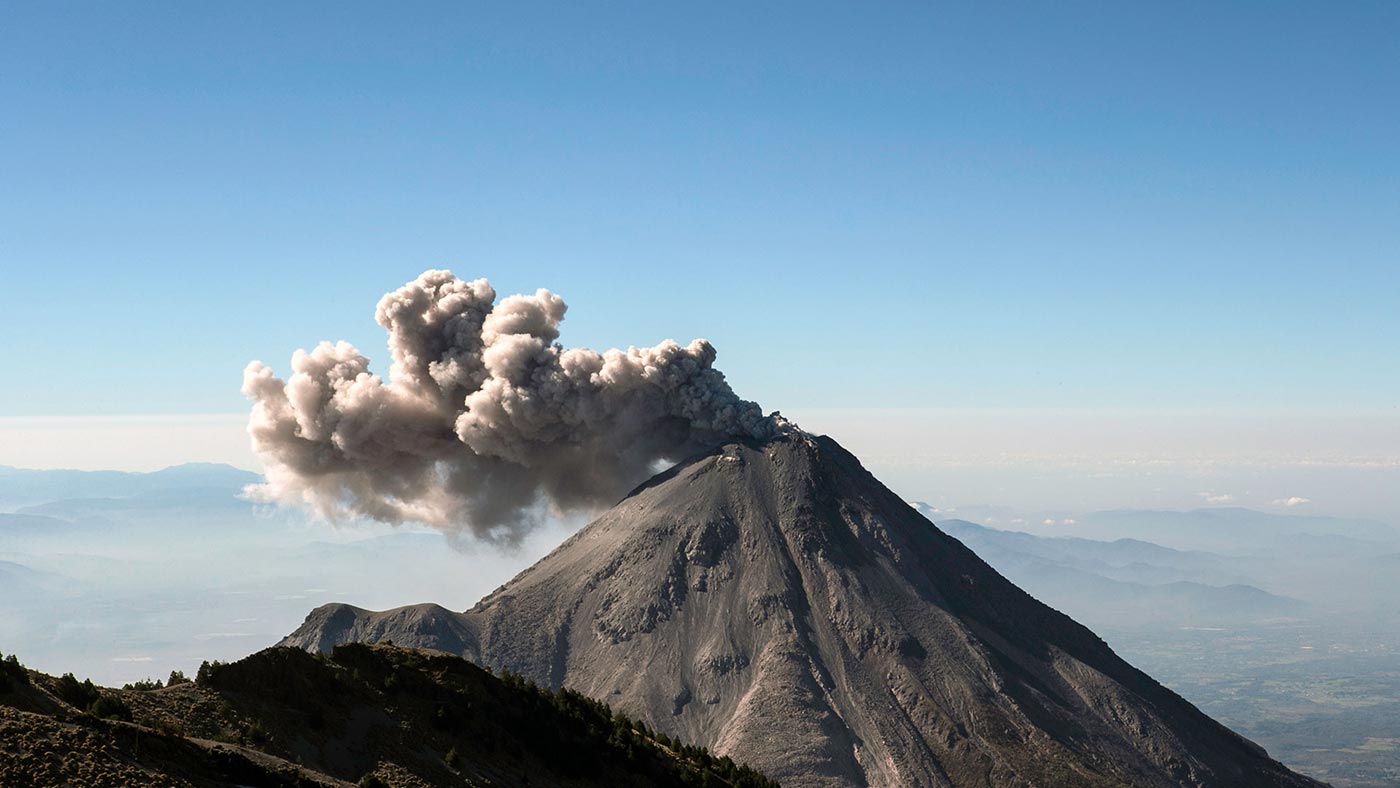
373, 716
775, 602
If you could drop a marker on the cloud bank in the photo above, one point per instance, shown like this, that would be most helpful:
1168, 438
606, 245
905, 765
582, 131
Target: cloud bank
484, 416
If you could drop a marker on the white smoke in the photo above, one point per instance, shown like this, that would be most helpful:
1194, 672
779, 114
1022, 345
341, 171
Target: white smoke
484, 417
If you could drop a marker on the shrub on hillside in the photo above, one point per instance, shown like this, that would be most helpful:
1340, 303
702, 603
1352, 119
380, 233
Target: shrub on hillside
12, 674
207, 671
145, 685
83, 695
110, 708
79, 695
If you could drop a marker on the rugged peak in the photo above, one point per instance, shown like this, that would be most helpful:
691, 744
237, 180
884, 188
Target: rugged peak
771, 599
424, 625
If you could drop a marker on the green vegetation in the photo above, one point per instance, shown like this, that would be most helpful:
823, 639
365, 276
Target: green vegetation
472, 716
418, 703
12, 674
206, 671
632, 741
145, 685
86, 697
110, 708
570, 729
75, 694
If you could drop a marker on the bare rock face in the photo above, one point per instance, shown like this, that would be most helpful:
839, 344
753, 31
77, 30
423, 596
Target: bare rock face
420, 626
775, 602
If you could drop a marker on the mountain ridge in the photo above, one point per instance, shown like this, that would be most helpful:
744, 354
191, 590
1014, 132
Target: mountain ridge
774, 601
32, 486
1125, 582
367, 715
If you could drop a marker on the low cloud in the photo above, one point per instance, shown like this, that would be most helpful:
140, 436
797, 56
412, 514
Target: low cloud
1296, 500
1218, 497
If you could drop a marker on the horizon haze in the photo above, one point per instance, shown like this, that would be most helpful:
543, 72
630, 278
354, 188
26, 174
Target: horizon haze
958, 393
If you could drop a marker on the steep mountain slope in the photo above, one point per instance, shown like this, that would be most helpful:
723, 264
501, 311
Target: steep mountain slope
377, 715
777, 603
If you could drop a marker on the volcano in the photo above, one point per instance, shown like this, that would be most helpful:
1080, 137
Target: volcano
776, 603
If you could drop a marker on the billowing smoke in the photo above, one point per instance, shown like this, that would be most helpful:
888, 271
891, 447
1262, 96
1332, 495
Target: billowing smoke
485, 418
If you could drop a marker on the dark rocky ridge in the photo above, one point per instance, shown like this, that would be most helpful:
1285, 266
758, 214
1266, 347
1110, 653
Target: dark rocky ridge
367, 715
778, 604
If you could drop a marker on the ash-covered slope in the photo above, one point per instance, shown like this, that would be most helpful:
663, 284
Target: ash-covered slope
775, 602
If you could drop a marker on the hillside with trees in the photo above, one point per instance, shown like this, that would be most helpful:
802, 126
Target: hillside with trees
373, 716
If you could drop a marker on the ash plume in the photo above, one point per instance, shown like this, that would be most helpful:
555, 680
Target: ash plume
484, 417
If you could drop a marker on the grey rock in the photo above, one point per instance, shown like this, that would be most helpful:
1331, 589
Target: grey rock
775, 602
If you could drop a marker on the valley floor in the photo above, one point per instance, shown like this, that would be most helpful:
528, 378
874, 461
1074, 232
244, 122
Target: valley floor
1322, 698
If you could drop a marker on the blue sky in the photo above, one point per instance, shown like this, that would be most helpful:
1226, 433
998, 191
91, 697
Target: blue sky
1026, 206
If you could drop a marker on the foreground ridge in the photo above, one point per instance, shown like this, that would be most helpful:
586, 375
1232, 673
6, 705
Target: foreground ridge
772, 600
374, 716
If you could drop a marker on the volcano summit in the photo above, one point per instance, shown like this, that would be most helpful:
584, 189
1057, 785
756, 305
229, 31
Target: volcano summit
772, 600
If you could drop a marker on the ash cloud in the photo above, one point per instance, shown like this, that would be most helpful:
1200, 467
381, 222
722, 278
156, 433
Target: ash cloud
484, 416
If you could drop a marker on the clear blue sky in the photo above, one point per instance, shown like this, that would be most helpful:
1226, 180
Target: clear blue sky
1039, 205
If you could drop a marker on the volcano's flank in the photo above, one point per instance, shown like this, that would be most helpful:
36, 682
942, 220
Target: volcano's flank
775, 602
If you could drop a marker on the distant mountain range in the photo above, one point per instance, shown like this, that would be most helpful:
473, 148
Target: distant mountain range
1235, 530
80, 510
24, 487
18, 579
1125, 582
